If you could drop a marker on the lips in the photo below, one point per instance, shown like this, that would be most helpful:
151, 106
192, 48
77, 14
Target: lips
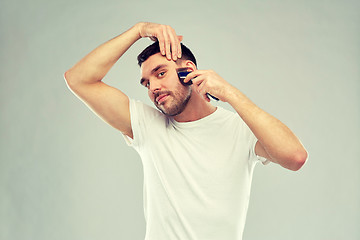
161, 98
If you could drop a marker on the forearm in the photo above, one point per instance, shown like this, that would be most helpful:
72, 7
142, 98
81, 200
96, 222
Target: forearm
94, 66
276, 138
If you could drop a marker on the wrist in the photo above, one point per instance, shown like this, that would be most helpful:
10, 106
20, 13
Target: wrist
236, 97
138, 28
232, 94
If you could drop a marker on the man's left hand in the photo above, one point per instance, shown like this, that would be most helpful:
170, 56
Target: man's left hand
208, 81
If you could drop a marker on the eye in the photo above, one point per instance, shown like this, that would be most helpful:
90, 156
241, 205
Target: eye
146, 84
161, 74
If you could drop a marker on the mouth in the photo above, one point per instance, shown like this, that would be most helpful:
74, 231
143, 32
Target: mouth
161, 98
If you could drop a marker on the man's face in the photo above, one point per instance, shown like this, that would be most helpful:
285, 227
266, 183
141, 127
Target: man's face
164, 88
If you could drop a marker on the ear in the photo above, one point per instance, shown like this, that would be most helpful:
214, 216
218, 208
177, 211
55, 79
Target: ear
190, 64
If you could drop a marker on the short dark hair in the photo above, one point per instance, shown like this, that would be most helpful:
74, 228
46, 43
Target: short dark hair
154, 48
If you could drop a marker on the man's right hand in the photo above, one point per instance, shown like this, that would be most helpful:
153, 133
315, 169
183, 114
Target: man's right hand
169, 41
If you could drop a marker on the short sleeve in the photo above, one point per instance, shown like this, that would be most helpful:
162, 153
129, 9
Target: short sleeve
252, 140
137, 115
134, 119
253, 156
140, 116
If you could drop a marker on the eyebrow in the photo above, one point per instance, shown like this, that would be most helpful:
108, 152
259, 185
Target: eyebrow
152, 71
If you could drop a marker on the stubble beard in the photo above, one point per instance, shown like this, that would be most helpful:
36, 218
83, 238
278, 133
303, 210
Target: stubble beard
178, 102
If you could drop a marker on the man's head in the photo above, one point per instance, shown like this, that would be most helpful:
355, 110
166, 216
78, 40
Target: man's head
159, 75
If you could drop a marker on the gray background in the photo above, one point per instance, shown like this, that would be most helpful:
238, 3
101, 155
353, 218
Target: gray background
65, 174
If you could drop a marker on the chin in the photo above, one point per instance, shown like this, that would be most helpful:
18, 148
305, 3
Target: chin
175, 108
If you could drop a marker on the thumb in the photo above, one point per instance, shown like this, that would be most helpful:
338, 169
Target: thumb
153, 39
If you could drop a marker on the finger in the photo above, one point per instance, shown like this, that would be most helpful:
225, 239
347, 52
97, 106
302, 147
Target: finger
194, 75
167, 44
173, 47
180, 38
201, 87
202, 91
174, 43
189, 77
161, 43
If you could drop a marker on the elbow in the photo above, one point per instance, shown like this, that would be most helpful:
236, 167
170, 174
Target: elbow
298, 160
74, 78
68, 79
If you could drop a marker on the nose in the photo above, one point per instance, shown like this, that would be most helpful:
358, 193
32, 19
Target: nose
155, 85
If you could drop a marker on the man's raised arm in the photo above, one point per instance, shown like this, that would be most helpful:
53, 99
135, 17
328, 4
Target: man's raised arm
85, 78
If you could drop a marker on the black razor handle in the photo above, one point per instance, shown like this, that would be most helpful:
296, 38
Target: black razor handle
182, 75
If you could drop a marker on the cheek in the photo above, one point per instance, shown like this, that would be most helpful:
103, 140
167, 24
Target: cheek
151, 96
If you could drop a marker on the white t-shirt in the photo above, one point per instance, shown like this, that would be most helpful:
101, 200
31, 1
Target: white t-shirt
197, 175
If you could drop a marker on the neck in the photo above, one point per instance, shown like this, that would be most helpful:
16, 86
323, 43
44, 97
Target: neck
196, 109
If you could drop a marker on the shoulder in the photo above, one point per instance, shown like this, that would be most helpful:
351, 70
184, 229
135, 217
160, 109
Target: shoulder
143, 113
227, 115
143, 108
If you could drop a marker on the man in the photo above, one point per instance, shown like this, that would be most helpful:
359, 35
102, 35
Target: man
198, 159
